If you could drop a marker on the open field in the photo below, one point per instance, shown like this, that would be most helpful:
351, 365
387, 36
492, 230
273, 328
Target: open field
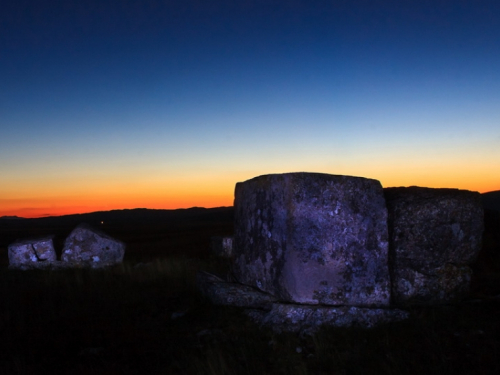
146, 316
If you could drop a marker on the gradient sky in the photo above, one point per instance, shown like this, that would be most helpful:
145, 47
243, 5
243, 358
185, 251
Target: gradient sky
167, 104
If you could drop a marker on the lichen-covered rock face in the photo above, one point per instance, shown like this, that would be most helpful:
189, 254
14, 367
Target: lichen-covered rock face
86, 246
29, 253
434, 234
313, 238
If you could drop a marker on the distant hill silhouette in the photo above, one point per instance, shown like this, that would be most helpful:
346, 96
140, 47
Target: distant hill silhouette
136, 214
491, 200
130, 225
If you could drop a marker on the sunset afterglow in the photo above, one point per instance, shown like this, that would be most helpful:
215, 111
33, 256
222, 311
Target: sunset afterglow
169, 104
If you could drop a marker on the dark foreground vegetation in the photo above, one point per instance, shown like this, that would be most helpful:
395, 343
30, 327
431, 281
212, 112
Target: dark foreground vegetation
146, 316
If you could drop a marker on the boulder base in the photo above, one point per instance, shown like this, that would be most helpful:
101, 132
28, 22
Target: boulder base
281, 317
313, 238
434, 234
88, 247
222, 292
307, 319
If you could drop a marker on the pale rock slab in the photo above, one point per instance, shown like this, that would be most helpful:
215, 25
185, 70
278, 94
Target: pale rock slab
283, 317
307, 319
31, 253
89, 247
435, 234
224, 293
313, 238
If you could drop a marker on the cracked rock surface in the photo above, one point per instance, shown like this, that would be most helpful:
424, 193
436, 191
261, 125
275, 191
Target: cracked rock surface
29, 253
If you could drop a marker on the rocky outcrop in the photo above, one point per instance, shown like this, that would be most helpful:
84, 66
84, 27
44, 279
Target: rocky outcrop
89, 247
313, 238
31, 253
435, 234
342, 251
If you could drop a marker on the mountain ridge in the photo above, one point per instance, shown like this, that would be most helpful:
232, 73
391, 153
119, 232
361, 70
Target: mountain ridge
120, 211
491, 200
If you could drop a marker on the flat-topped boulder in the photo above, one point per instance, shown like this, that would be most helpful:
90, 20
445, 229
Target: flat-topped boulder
435, 234
31, 253
313, 238
89, 247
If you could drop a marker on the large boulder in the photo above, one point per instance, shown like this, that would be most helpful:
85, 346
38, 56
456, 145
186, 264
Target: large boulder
32, 253
313, 238
89, 247
435, 234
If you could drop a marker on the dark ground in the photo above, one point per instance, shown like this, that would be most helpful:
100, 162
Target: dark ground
147, 233
150, 319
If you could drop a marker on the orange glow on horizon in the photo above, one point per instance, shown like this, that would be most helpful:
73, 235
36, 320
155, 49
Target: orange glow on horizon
76, 196
37, 208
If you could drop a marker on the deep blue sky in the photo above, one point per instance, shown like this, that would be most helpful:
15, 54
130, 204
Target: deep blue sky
172, 102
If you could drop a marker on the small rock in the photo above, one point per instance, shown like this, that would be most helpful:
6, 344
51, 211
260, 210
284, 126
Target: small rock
31, 253
178, 314
224, 293
89, 247
222, 246
91, 351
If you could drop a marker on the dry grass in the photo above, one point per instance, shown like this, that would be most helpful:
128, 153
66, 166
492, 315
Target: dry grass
146, 317
149, 318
